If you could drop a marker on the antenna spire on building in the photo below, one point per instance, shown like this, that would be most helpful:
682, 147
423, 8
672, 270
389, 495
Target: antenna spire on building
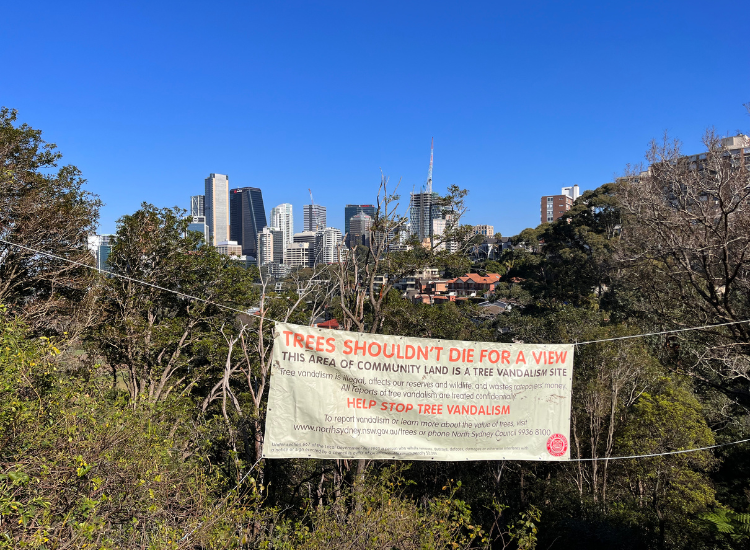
429, 172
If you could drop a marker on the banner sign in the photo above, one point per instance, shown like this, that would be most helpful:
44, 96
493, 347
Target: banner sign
337, 394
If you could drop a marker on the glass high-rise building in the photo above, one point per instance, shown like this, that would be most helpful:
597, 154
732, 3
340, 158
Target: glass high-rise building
359, 230
281, 217
216, 203
423, 208
351, 210
197, 206
270, 246
101, 246
248, 218
315, 217
327, 246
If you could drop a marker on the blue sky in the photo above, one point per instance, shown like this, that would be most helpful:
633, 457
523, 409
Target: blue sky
521, 98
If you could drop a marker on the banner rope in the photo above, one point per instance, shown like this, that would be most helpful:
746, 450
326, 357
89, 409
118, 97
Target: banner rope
246, 312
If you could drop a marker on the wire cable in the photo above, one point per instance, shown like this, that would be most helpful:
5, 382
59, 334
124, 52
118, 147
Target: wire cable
663, 332
125, 277
659, 454
228, 308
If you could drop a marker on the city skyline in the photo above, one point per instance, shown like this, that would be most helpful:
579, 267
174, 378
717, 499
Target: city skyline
519, 107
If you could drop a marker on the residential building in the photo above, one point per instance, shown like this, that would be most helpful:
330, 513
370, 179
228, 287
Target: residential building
248, 218
270, 246
314, 217
554, 206
100, 247
410, 281
573, 192
281, 217
473, 284
359, 230
229, 248
737, 146
300, 255
216, 205
439, 226
490, 248
484, 230
423, 208
330, 324
197, 205
277, 271
328, 246
351, 210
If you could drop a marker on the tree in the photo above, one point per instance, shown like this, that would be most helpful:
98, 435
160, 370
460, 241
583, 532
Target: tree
686, 248
574, 254
362, 292
44, 210
668, 489
151, 334
240, 388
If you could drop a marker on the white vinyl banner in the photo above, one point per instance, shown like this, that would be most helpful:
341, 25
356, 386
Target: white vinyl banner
337, 394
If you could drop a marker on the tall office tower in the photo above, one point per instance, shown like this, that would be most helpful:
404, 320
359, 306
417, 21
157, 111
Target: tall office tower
216, 205
351, 210
422, 210
197, 205
248, 217
101, 246
327, 246
315, 217
359, 230
270, 246
281, 217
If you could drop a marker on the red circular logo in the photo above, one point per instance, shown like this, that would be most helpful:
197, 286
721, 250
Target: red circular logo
557, 444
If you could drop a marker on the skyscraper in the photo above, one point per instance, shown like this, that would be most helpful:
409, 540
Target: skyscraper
198, 216
197, 205
359, 230
281, 217
216, 203
248, 217
351, 210
327, 243
270, 246
315, 217
422, 210
101, 246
